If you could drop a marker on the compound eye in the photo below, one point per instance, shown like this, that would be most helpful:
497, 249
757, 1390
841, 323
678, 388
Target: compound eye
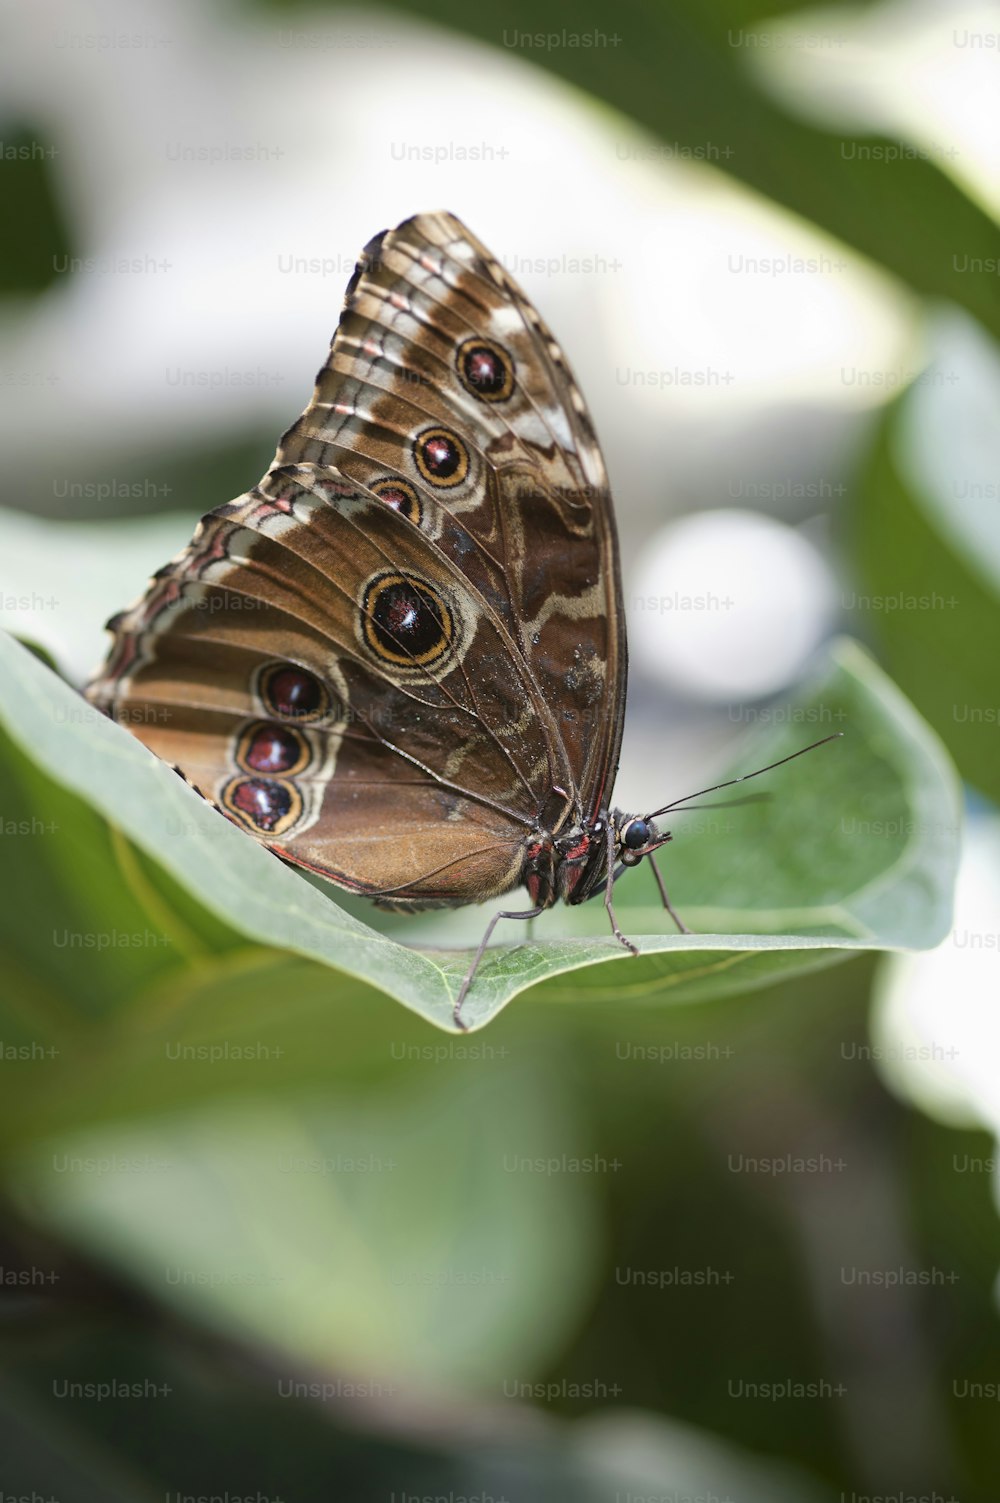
636, 835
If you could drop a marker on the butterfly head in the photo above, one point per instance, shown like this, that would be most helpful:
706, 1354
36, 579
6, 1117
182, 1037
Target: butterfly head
614, 839
635, 837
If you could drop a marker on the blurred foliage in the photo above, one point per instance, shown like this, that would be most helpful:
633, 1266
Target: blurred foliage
29, 257
189, 480
675, 69
222, 1422
486, 1280
939, 656
182, 1071
926, 546
670, 1115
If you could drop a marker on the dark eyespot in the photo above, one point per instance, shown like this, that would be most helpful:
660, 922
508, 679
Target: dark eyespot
636, 834
269, 748
485, 369
291, 693
401, 496
268, 805
441, 457
405, 620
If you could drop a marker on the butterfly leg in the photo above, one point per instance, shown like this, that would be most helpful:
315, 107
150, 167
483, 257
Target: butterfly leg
663, 894
529, 913
609, 896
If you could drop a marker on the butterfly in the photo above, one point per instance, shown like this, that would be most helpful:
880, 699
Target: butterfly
399, 661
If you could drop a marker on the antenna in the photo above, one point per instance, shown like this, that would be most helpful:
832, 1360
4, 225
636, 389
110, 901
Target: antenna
731, 782
733, 803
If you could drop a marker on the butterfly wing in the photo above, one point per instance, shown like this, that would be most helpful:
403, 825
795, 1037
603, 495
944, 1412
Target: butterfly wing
402, 653
438, 341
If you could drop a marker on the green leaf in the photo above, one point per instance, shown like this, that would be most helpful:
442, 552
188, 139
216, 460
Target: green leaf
856, 852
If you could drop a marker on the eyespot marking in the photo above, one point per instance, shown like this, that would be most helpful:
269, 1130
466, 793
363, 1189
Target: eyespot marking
441, 457
292, 693
268, 748
485, 369
268, 806
400, 495
405, 620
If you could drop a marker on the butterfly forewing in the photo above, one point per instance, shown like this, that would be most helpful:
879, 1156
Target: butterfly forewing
402, 655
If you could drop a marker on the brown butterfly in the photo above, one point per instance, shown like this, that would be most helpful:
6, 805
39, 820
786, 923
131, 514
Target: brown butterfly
399, 661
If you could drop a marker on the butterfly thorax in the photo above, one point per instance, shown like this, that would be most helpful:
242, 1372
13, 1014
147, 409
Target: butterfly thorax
574, 865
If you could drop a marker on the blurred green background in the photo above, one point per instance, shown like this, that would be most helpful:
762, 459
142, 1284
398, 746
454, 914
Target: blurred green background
716, 1224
